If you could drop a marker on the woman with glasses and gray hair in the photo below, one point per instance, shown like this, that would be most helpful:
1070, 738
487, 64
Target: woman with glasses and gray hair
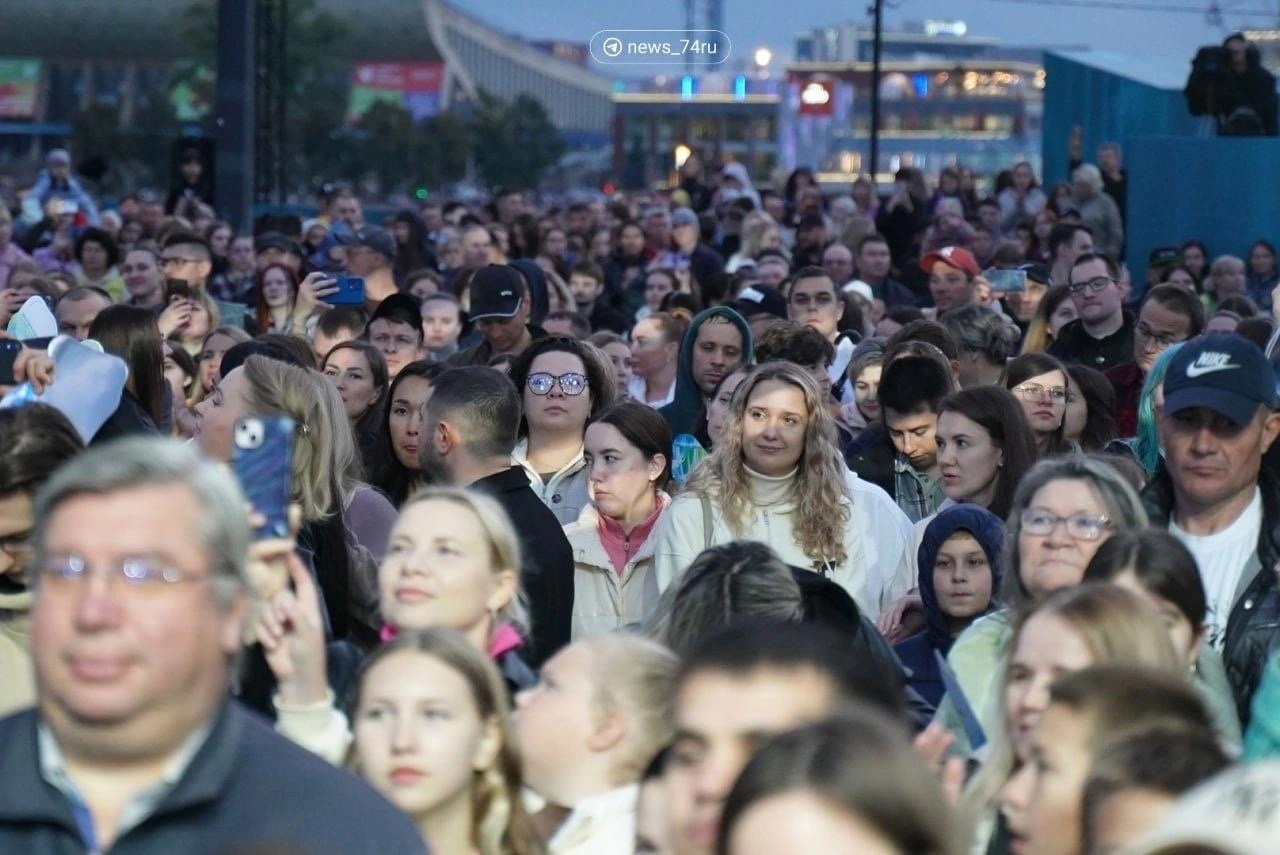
1063, 510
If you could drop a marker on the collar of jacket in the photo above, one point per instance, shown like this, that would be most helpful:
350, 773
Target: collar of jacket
25, 797
584, 536
520, 457
1158, 497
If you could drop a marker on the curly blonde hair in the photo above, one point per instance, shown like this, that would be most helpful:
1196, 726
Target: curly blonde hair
822, 500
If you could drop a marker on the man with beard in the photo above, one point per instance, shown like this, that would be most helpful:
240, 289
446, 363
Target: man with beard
469, 431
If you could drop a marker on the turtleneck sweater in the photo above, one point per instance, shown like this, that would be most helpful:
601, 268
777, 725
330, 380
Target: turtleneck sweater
770, 490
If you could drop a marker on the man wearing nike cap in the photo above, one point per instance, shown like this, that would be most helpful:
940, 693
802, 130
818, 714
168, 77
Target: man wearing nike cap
1216, 423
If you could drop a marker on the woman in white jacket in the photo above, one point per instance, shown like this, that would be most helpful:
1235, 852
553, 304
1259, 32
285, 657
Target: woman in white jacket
627, 455
779, 478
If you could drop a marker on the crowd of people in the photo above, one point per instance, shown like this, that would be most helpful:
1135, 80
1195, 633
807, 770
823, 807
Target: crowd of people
721, 518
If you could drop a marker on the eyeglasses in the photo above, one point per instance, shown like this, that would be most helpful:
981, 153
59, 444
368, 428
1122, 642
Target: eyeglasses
1034, 392
1098, 283
1079, 526
1160, 341
177, 261
572, 384
64, 571
804, 301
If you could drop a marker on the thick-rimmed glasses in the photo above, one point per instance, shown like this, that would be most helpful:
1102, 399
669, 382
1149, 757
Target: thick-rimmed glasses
572, 384
1096, 284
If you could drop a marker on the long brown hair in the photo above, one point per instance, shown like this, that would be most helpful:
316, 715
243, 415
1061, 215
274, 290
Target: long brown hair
261, 312
822, 500
132, 334
499, 824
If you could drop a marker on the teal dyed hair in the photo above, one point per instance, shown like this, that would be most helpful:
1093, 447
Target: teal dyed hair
1146, 444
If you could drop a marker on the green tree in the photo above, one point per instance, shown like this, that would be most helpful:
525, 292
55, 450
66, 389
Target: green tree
316, 84
513, 141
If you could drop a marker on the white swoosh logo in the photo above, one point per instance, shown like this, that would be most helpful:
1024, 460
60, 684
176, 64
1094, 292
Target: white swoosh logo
1196, 371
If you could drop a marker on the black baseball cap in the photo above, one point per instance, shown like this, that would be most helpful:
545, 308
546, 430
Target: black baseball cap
761, 299
1223, 372
276, 240
371, 237
496, 292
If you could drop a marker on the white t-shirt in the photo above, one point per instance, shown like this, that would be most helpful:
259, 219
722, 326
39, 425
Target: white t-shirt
1222, 557
844, 352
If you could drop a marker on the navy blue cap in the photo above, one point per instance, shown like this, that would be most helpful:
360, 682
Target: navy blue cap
1223, 372
370, 237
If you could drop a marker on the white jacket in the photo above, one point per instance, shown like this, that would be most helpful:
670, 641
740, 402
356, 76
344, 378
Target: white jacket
603, 601
566, 493
873, 539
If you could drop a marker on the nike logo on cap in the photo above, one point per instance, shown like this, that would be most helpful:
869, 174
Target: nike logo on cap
1209, 362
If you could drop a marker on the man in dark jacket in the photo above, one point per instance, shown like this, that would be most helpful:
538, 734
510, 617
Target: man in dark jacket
501, 308
904, 460
717, 343
134, 746
1216, 425
468, 431
1102, 337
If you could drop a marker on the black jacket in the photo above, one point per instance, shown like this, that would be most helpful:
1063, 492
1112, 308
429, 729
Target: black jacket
871, 458
246, 785
1254, 623
826, 603
481, 353
547, 571
1074, 344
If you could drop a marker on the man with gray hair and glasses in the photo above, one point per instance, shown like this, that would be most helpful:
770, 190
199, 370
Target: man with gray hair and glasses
134, 744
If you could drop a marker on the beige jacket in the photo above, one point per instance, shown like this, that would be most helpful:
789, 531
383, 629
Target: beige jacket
17, 674
565, 493
603, 601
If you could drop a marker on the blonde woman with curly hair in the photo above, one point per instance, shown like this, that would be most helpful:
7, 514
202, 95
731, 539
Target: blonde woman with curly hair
433, 735
778, 477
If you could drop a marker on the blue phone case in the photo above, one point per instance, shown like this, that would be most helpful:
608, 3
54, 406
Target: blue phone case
350, 292
263, 463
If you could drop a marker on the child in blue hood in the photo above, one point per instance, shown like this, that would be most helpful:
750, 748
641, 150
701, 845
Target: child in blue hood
959, 575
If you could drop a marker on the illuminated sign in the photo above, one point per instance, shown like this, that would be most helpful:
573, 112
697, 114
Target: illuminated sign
945, 28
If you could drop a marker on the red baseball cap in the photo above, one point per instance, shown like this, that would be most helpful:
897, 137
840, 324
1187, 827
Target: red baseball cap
953, 256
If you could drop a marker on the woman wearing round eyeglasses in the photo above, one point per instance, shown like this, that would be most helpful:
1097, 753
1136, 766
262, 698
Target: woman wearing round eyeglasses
1064, 509
1041, 384
563, 384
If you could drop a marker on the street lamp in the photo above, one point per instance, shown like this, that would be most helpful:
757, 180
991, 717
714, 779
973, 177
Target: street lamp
763, 57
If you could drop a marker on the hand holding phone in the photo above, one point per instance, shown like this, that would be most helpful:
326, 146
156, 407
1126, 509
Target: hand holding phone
349, 291
262, 459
